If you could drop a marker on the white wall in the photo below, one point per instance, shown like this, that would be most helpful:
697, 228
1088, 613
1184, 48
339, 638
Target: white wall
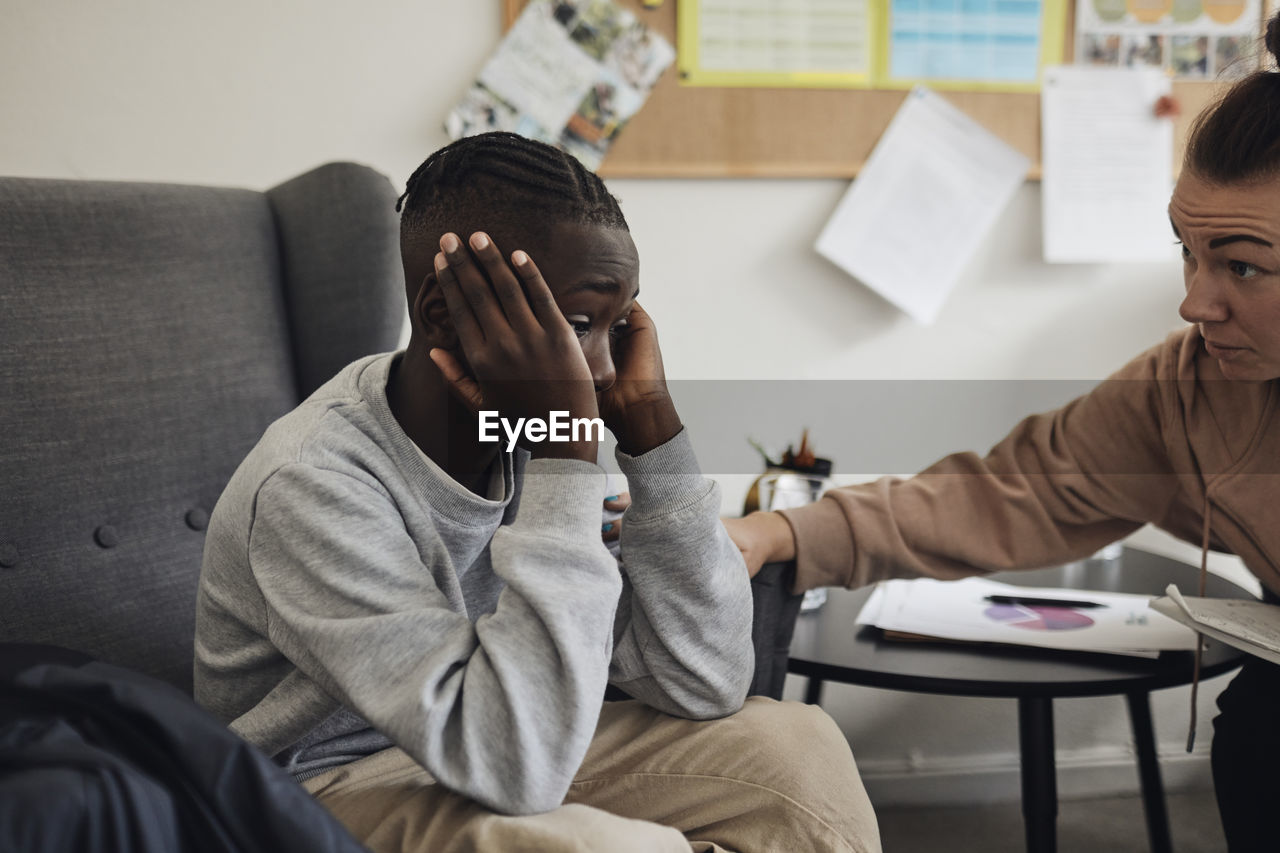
250, 93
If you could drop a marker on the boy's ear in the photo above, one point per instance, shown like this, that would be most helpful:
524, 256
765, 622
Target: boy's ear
431, 316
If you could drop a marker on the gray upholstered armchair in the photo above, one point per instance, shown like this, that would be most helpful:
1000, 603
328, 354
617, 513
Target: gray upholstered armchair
148, 335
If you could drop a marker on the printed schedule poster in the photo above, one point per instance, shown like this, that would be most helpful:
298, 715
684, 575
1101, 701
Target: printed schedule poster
762, 43
1190, 39
992, 44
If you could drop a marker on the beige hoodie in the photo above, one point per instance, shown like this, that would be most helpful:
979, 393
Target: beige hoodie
1167, 440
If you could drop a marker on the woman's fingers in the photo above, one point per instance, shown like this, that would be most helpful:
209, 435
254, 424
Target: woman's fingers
612, 527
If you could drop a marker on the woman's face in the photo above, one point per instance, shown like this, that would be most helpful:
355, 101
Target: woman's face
1230, 237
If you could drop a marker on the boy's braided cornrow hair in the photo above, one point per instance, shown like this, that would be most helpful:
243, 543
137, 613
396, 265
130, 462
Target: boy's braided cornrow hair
506, 176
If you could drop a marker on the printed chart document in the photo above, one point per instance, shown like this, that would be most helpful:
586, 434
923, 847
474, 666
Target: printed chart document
1107, 165
919, 209
1251, 626
1051, 618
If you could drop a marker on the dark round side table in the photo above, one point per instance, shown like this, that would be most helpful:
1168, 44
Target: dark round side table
828, 646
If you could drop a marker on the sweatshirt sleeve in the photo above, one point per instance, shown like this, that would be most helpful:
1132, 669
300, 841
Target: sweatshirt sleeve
1058, 487
501, 711
683, 633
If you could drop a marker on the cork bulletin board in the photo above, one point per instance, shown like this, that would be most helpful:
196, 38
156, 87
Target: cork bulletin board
696, 132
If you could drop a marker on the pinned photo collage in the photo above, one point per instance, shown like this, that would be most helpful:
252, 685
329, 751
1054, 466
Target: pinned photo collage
1190, 39
570, 73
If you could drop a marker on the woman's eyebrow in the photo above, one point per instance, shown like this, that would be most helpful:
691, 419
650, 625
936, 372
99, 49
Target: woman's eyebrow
1238, 238
1230, 238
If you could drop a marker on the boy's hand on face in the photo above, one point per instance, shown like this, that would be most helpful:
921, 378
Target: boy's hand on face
525, 359
637, 408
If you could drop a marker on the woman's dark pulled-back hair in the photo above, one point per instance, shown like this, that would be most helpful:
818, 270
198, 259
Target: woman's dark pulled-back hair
503, 179
1237, 139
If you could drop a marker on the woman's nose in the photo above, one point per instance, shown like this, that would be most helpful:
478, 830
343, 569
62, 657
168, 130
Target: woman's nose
1205, 301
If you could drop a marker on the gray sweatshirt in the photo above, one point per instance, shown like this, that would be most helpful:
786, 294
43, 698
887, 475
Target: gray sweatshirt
353, 596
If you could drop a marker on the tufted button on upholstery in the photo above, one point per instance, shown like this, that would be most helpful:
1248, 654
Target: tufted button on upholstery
197, 519
106, 536
8, 555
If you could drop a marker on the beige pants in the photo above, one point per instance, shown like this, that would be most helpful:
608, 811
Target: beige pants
776, 776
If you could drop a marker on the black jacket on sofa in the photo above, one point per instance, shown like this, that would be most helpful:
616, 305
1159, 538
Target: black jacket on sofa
94, 757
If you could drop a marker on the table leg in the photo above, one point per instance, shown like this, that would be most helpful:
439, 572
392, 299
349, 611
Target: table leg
1039, 779
1153, 802
813, 691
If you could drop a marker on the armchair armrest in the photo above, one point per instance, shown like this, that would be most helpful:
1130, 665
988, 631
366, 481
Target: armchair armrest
774, 612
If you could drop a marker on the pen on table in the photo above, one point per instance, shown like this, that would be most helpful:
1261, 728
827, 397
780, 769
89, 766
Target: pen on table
1028, 601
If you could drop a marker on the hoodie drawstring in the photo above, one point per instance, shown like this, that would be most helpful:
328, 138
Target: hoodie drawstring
1204, 576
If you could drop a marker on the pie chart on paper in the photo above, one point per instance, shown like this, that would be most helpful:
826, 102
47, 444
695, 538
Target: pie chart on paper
1037, 617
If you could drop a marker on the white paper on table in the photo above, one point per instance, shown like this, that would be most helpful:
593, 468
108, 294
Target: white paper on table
1107, 165
958, 610
870, 611
922, 204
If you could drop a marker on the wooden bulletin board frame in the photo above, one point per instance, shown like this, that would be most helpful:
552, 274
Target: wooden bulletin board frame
697, 132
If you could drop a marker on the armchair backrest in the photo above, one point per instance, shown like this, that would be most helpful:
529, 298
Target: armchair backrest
148, 335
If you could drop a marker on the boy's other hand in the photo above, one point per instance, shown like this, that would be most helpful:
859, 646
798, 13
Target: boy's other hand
525, 357
637, 408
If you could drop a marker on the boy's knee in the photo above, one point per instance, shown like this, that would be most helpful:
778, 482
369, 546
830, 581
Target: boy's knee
789, 747
782, 732
568, 829
798, 752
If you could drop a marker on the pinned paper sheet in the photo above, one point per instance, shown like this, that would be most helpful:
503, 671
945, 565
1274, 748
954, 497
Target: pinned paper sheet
1108, 165
919, 209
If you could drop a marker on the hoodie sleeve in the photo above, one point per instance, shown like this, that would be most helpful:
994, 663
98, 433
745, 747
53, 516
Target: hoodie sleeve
1058, 487
683, 632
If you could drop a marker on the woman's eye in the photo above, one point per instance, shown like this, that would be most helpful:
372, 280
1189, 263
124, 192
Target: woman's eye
617, 329
1186, 253
1242, 270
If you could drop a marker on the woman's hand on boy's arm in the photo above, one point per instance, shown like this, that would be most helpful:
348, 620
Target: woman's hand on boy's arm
611, 530
638, 409
762, 537
525, 357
